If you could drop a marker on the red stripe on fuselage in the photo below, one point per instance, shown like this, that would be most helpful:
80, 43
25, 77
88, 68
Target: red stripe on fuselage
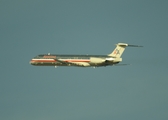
48, 61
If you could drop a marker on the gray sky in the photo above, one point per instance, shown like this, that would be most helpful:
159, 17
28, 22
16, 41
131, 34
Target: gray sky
32, 27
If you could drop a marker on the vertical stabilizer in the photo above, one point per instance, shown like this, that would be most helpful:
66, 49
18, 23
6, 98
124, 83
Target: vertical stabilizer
118, 51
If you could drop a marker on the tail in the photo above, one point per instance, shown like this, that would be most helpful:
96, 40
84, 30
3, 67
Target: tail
118, 51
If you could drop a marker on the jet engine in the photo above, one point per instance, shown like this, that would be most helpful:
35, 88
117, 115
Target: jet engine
97, 60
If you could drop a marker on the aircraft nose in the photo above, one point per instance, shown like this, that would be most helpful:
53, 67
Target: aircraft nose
31, 62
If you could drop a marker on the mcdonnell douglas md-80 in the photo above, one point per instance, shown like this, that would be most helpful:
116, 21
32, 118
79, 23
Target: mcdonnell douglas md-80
82, 60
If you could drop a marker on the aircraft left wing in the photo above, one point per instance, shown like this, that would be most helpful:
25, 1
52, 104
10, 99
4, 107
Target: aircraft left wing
81, 64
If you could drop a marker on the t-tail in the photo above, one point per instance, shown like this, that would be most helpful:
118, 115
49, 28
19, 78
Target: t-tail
118, 51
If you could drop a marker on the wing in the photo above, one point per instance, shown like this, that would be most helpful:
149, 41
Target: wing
81, 64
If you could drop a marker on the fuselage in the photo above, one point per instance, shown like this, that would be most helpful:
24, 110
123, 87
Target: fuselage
73, 60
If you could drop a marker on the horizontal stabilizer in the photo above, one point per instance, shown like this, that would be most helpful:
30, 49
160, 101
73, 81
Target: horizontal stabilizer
120, 47
121, 64
134, 46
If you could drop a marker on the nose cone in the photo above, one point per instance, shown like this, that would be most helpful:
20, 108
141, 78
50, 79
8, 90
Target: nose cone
32, 62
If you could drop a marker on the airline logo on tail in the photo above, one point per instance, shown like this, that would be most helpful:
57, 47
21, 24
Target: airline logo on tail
116, 52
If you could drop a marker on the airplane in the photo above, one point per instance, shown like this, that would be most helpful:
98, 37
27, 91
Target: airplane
81, 60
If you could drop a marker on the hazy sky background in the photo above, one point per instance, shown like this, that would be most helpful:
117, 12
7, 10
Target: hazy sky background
135, 92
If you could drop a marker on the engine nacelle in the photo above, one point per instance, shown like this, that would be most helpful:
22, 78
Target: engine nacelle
117, 60
97, 60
